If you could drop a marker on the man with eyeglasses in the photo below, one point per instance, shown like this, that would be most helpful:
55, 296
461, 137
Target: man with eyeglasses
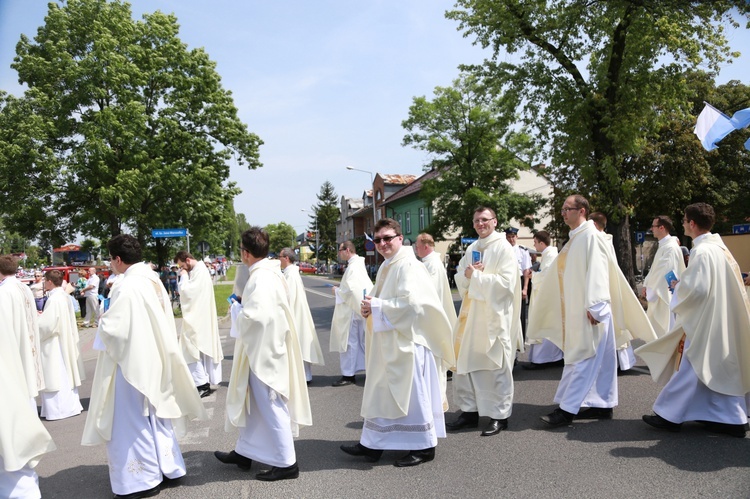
141, 383
408, 353
706, 356
308, 337
656, 289
578, 308
348, 326
488, 331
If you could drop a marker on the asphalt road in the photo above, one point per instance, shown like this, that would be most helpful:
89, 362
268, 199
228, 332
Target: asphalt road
620, 458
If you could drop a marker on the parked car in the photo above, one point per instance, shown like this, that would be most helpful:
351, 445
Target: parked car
306, 268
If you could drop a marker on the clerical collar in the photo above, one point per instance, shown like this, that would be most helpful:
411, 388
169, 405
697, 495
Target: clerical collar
351, 258
664, 239
55, 290
580, 228
700, 238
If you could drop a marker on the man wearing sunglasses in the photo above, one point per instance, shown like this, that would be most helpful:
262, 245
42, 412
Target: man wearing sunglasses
408, 352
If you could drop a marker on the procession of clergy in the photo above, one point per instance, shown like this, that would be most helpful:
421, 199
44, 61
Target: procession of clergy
403, 332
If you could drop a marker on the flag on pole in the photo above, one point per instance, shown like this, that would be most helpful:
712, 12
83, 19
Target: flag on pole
367, 236
712, 126
741, 119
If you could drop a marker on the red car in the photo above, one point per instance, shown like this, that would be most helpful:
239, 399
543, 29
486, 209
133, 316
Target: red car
306, 268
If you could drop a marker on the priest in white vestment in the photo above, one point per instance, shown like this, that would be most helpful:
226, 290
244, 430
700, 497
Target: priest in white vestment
267, 395
61, 357
542, 353
656, 290
199, 338
142, 388
303, 320
408, 351
579, 307
348, 326
706, 356
488, 332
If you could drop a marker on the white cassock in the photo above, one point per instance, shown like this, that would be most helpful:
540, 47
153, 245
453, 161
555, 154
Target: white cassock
587, 279
23, 438
303, 321
668, 258
488, 331
19, 316
408, 349
625, 354
142, 390
347, 325
267, 395
542, 351
712, 379
61, 358
199, 337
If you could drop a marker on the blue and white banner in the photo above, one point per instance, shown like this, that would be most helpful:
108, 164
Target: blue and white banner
713, 125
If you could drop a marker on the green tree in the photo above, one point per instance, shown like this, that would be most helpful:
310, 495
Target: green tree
326, 214
592, 77
136, 130
280, 235
465, 130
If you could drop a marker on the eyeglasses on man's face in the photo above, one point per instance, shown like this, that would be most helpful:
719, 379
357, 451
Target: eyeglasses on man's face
482, 220
566, 209
384, 239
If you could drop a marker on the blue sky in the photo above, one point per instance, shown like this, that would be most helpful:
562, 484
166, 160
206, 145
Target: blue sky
324, 83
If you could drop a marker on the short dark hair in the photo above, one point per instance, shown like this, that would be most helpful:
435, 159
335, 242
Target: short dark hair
8, 264
182, 256
599, 218
289, 253
582, 203
126, 247
349, 246
543, 237
480, 209
702, 214
55, 277
255, 242
388, 223
666, 222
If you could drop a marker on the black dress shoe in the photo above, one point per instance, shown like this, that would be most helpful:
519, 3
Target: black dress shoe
416, 457
204, 390
659, 422
232, 457
494, 427
345, 380
139, 494
279, 473
733, 430
594, 413
557, 418
533, 366
465, 420
371, 455
167, 482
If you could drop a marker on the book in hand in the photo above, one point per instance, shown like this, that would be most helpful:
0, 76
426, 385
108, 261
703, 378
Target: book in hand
476, 257
670, 277
233, 297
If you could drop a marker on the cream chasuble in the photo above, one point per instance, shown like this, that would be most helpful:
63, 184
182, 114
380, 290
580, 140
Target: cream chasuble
586, 275
18, 316
348, 301
267, 344
668, 258
549, 255
138, 334
411, 305
200, 324
488, 330
303, 321
59, 334
439, 276
713, 312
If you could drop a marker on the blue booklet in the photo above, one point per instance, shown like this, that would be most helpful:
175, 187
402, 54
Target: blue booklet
235, 298
476, 257
670, 277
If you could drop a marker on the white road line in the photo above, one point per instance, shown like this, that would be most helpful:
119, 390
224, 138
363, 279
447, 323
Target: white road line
324, 295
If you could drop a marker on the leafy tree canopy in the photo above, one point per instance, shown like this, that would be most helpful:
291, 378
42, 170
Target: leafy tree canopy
324, 218
281, 235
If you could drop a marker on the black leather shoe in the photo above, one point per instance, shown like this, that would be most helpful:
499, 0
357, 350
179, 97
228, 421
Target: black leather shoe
659, 422
139, 494
279, 473
345, 380
416, 457
733, 430
370, 455
532, 366
232, 457
167, 482
204, 390
557, 418
494, 427
465, 420
594, 413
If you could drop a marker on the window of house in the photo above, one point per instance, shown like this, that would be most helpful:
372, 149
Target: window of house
398, 218
421, 219
407, 228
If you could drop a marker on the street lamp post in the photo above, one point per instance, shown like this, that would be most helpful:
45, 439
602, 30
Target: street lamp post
317, 236
374, 209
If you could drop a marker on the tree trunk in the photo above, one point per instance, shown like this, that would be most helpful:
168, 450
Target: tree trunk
623, 249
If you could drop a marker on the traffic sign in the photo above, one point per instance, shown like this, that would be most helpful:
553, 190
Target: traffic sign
168, 232
369, 245
640, 237
741, 229
203, 246
468, 240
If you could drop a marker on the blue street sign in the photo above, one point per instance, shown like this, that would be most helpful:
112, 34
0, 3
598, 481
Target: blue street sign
468, 240
369, 245
741, 229
168, 232
640, 237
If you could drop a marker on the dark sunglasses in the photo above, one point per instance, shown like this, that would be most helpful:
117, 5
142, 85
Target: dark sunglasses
386, 239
